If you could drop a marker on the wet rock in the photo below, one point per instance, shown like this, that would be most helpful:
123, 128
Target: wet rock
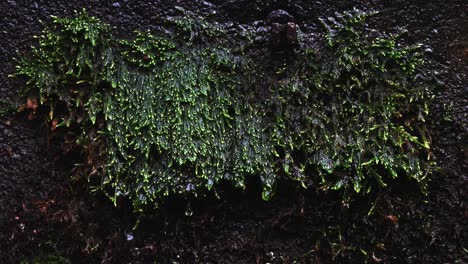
236, 224
208, 4
261, 34
12, 3
291, 33
276, 36
262, 31
280, 16
283, 31
258, 23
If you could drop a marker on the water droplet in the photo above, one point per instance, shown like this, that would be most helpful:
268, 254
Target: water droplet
188, 210
129, 236
189, 187
266, 195
142, 198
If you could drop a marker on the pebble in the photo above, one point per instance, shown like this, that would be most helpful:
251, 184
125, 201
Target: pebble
12, 3
280, 16
206, 3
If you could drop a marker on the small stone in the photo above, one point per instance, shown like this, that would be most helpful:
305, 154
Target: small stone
208, 4
116, 4
280, 16
276, 36
258, 23
291, 33
262, 30
189, 187
12, 3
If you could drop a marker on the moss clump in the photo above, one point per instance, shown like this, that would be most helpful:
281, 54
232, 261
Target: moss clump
159, 114
52, 259
174, 111
354, 114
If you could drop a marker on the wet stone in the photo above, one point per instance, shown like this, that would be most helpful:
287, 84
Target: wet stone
283, 31
280, 16
208, 4
12, 3
291, 33
258, 23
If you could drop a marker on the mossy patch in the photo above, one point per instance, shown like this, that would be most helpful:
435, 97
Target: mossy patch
174, 111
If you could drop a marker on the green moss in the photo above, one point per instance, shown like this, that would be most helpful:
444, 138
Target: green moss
52, 259
182, 127
356, 112
7, 107
173, 108
175, 112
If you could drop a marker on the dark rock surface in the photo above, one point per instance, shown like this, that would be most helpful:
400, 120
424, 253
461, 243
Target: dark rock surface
41, 213
280, 16
283, 33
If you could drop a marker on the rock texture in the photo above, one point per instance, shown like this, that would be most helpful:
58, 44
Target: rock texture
42, 214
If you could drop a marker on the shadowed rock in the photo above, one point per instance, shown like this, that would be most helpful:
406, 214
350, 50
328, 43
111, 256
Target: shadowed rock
283, 34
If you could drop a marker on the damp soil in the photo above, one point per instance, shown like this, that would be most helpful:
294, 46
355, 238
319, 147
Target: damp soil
46, 215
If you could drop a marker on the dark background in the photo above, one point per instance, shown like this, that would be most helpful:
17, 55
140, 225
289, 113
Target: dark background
42, 213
